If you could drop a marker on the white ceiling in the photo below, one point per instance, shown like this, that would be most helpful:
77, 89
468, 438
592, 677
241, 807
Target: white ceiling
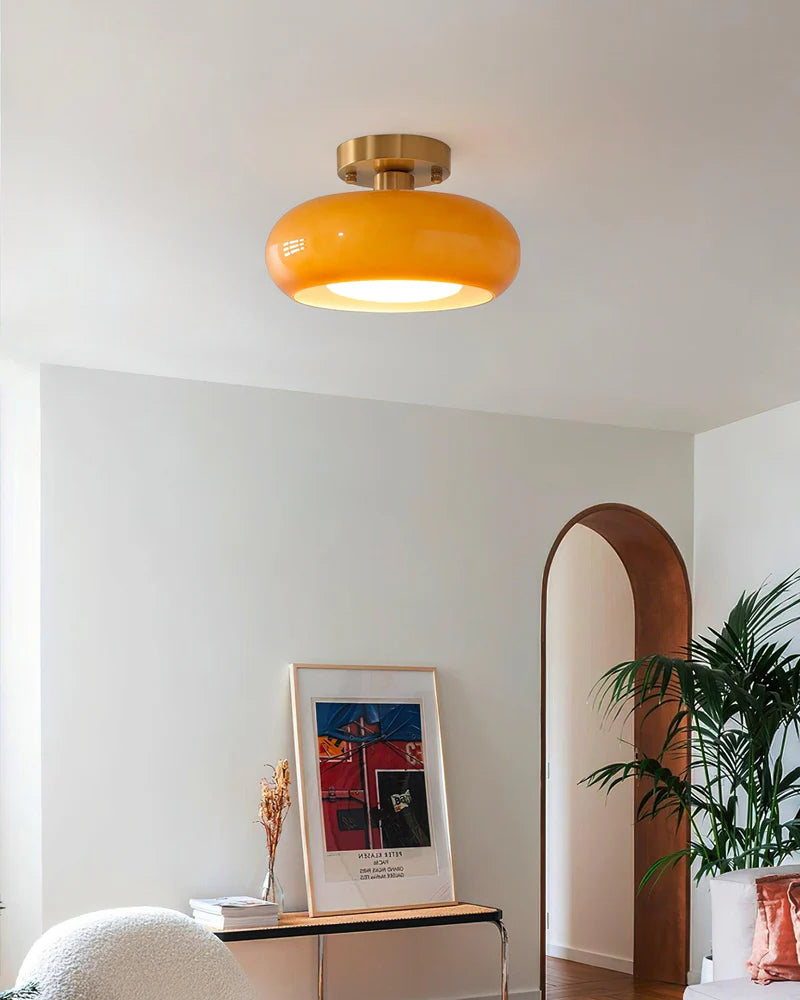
646, 150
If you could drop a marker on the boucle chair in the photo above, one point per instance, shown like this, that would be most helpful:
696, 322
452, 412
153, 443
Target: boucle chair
142, 953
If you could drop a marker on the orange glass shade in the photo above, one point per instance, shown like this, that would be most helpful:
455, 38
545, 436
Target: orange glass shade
393, 251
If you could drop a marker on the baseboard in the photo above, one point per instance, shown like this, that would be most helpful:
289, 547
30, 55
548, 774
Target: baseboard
512, 994
613, 962
693, 977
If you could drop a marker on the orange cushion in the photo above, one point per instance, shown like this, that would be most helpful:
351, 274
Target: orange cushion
775, 949
793, 892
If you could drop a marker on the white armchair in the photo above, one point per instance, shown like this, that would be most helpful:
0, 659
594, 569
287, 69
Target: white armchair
142, 953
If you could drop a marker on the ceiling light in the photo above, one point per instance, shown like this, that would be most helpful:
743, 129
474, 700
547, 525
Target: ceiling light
393, 249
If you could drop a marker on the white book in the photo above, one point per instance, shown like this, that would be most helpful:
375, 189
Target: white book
234, 906
220, 923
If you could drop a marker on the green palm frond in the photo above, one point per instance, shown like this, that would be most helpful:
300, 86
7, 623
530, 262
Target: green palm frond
735, 699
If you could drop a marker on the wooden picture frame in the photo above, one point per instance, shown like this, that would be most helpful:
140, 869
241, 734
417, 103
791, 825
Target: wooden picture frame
370, 774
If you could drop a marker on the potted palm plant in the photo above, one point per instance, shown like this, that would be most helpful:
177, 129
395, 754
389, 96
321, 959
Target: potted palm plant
736, 700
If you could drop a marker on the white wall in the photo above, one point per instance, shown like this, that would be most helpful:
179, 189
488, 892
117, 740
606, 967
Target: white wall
746, 511
747, 529
590, 627
20, 695
196, 538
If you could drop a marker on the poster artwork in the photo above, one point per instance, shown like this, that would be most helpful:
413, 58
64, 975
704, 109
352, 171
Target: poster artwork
373, 790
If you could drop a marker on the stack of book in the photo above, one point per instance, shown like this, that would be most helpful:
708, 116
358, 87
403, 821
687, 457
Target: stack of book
234, 913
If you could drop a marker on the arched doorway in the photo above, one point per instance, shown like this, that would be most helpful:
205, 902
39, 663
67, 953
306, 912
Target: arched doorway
662, 622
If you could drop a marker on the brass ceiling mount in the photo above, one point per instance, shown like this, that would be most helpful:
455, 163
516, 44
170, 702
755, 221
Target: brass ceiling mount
393, 162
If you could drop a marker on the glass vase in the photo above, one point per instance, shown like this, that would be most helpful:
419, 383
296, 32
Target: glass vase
272, 890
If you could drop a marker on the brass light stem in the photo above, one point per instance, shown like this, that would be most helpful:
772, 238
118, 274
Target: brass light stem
393, 180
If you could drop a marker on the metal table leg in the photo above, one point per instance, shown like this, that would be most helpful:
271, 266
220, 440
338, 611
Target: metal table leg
321, 967
503, 963
503, 960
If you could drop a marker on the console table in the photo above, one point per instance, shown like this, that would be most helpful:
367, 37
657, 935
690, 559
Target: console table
302, 925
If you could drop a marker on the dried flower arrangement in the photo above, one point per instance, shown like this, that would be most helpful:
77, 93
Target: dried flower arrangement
275, 803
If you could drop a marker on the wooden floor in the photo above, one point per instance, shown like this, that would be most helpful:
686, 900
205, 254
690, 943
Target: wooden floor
571, 981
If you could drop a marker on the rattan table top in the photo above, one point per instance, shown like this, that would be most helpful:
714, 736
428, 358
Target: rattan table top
303, 925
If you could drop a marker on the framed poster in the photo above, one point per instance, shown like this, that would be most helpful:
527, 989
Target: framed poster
370, 773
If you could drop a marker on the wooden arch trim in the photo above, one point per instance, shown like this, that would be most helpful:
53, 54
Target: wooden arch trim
663, 621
